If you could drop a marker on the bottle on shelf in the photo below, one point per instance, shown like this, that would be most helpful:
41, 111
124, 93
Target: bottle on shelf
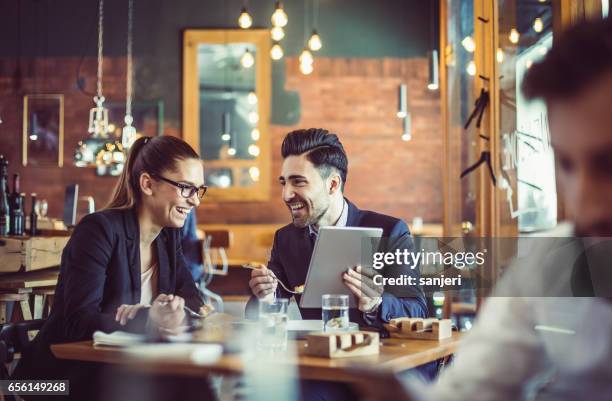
4, 198
33, 217
17, 215
16, 206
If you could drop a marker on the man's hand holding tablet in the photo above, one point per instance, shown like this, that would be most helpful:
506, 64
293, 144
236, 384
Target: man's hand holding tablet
359, 281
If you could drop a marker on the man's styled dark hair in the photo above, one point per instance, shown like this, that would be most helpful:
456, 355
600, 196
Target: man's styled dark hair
322, 148
581, 56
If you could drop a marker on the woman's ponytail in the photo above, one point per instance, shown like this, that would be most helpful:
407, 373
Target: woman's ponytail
153, 155
126, 191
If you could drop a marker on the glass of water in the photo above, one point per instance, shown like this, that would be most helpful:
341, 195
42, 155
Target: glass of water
335, 312
273, 325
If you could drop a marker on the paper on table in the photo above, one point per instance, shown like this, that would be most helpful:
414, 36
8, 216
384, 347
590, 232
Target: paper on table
117, 338
199, 353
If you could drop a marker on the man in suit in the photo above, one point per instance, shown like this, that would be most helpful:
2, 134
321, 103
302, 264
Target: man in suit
313, 177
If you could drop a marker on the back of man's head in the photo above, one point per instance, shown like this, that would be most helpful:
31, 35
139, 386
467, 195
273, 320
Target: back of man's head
579, 57
322, 148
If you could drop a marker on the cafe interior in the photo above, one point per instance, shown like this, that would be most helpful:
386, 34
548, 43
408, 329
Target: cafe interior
425, 97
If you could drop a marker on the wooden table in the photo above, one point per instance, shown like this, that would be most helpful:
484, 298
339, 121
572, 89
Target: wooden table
396, 355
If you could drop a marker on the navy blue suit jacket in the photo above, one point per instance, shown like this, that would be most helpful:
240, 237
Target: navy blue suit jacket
292, 250
100, 270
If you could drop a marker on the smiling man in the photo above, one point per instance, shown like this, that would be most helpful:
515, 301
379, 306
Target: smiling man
313, 177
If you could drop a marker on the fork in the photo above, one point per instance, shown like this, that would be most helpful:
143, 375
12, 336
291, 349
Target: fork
255, 267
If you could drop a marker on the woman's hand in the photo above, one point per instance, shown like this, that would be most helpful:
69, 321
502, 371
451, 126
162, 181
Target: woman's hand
127, 312
167, 312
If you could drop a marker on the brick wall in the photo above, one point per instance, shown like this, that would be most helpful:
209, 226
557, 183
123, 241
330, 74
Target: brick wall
356, 98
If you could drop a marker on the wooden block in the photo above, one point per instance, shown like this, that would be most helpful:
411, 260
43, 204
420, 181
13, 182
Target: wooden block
342, 345
25, 282
30, 253
422, 329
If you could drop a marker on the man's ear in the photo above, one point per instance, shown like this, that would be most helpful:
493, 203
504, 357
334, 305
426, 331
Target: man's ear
335, 183
146, 184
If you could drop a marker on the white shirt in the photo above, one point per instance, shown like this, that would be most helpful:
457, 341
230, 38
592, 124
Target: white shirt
148, 284
532, 348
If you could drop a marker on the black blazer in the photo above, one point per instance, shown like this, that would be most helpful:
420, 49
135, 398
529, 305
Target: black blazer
292, 250
100, 270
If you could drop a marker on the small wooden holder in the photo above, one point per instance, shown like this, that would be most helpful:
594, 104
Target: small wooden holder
342, 345
418, 328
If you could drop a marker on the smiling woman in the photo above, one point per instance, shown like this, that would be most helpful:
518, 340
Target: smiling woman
123, 268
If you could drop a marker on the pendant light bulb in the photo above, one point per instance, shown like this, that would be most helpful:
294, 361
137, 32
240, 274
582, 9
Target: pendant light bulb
277, 33
471, 68
247, 60
314, 43
514, 36
276, 52
279, 17
538, 25
434, 77
306, 69
245, 21
468, 44
499, 55
306, 57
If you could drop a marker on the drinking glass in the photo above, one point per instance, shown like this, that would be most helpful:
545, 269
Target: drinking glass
335, 312
273, 325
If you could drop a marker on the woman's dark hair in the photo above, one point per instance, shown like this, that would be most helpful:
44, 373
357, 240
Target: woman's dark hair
579, 57
153, 155
322, 148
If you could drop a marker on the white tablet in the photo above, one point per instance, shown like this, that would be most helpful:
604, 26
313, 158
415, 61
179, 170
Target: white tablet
337, 249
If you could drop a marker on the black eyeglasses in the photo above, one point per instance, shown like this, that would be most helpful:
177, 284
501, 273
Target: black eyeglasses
187, 191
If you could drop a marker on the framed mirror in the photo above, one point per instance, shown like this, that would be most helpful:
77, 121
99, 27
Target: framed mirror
226, 109
43, 130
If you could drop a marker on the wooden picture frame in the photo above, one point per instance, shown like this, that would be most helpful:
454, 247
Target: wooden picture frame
260, 38
43, 130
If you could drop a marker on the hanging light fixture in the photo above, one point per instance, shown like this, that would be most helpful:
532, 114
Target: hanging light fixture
245, 21
128, 134
279, 17
87, 150
434, 78
514, 36
276, 51
314, 43
499, 55
225, 126
402, 102
247, 60
306, 57
306, 69
277, 33
434, 67
232, 146
306, 62
98, 116
255, 134
538, 25
406, 135
252, 98
254, 150
468, 44
471, 68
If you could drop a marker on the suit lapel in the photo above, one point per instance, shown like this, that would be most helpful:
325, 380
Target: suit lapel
164, 264
132, 234
354, 215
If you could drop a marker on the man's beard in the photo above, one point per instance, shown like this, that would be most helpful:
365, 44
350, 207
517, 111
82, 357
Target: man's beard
313, 218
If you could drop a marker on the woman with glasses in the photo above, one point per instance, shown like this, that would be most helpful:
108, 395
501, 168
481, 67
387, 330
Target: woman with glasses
123, 268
